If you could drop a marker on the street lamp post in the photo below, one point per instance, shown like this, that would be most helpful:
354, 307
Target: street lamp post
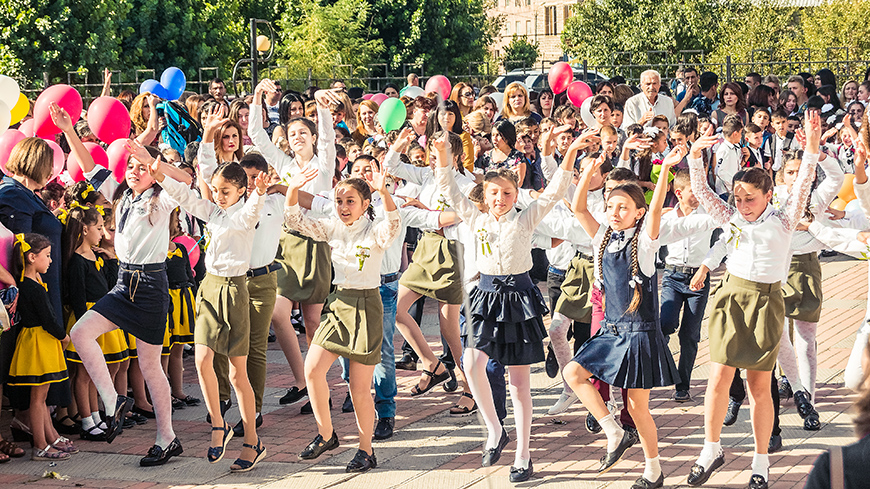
258, 45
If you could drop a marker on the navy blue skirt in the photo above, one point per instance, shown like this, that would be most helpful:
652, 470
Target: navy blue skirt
507, 319
139, 302
629, 355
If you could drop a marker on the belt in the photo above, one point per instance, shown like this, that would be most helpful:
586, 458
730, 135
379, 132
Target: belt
629, 326
389, 278
681, 269
256, 272
556, 271
583, 256
148, 267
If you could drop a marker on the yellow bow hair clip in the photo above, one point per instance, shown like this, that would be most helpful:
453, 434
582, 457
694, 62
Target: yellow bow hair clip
76, 205
90, 188
19, 238
99, 263
101, 210
63, 216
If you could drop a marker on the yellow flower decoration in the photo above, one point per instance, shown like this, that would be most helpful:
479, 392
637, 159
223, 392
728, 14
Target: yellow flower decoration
19, 238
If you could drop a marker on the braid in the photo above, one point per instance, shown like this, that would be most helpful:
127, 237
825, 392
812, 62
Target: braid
808, 213
600, 264
635, 269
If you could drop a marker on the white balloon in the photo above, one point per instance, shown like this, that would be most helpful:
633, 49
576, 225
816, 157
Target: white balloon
586, 113
853, 206
499, 99
9, 91
413, 91
5, 117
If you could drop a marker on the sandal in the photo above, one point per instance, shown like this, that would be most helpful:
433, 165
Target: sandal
4, 458
64, 445
11, 449
44, 454
434, 379
20, 431
241, 465
215, 454
458, 410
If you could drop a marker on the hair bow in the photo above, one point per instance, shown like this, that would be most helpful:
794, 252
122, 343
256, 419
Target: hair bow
63, 216
76, 205
101, 210
651, 131
87, 190
19, 238
99, 263
177, 253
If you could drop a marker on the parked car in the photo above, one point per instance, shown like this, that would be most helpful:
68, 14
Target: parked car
537, 80
518, 75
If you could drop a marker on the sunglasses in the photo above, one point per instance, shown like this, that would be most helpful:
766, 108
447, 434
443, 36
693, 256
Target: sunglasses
468, 94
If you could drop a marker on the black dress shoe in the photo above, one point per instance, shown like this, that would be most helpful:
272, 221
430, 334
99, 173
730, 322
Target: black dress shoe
384, 429
129, 423
347, 405
785, 391
159, 456
609, 460
225, 406
811, 422
642, 483
775, 444
406, 363
239, 428
142, 412
731, 414
698, 475
491, 455
318, 446
592, 425
137, 418
307, 409
803, 404
522, 475
551, 365
294, 394
362, 462
115, 423
452, 384
632, 431
757, 482
682, 396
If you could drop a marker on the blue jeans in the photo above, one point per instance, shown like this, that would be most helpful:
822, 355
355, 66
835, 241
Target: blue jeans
676, 295
385, 372
495, 375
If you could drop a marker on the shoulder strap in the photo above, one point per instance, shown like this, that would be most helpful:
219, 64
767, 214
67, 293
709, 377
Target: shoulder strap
838, 480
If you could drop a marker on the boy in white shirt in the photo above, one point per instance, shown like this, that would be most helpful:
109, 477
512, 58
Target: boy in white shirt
781, 140
729, 155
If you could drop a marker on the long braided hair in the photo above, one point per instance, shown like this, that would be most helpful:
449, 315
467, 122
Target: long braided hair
635, 193
798, 155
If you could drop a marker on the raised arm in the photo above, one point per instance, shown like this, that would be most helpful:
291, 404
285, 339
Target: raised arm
801, 188
552, 194
387, 230
447, 182
107, 84
827, 191
63, 122
860, 184
712, 203
394, 164
293, 216
579, 205
654, 219
250, 214
138, 152
325, 129
182, 194
277, 158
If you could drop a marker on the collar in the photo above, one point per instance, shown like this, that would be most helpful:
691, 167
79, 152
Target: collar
509, 215
730, 145
768, 211
359, 224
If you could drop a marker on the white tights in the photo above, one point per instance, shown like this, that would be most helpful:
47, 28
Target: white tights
854, 375
84, 336
799, 362
559, 340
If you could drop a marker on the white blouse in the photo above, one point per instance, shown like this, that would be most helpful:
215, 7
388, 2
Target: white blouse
142, 227
357, 249
647, 248
230, 232
505, 244
687, 237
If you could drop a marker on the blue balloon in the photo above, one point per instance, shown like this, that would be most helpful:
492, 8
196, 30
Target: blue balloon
154, 87
174, 81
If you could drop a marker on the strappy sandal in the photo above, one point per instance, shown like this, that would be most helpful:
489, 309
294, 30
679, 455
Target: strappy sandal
459, 411
10, 449
241, 465
434, 379
64, 445
215, 454
44, 454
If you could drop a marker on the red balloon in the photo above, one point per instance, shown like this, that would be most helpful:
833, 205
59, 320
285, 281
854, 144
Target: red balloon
97, 153
57, 164
191, 247
118, 155
67, 97
109, 119
8, 141
379, 98
26, 128
439, 84
561, 75
367, 96
578, 91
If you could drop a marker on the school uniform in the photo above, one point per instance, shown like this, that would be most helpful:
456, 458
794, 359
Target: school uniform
352, 322
182, 311
506, 308
222, 321
305, 270
756, 158
776, 145
435, 270
86, 283
38, 358
729, 158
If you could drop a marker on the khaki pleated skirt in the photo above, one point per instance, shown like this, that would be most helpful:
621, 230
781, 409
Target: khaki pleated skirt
223, 322
435, 270
352, 325
306, 270
574, 302
803, 289
746, 323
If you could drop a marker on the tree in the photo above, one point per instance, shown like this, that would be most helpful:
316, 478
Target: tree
520, 53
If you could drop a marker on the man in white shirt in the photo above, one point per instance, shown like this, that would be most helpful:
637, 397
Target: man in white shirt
641, 108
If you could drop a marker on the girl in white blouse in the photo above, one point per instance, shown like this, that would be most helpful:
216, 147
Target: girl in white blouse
223, 317
352, 320
748, 310
506, 313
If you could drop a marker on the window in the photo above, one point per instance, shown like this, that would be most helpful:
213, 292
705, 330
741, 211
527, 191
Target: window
566, 12
528, 2
517, 28
528, 27
506, 2
550, 21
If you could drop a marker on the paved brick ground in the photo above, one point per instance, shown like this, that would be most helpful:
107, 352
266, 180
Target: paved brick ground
433, 450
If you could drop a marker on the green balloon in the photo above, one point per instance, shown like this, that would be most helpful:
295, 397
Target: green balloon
392, 114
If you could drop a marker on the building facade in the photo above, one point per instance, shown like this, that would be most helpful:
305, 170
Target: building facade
537, 20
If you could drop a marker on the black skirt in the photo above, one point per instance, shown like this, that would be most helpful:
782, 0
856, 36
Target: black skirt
139, 302
507, 319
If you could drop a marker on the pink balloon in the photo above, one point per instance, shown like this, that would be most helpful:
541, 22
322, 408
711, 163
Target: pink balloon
67, 97
439, 84
26, 128
97, 153
109, 119
57, 164
379, 98
367, 96
118, 155
578, 91
191, 247
8, 141
561, 75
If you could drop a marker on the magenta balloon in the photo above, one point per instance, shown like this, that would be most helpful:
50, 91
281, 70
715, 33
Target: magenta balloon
560, 76
26, 128
191, 247
97, 153
379, 98
109, 119
67, 97
8, 141
57, 164
367, 96
117, 154
578, 92
439, 84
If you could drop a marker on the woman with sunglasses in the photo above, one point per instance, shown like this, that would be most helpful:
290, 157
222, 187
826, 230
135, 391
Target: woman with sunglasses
463, 95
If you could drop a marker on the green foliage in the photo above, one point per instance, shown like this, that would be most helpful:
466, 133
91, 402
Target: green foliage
520, 52
839, 23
